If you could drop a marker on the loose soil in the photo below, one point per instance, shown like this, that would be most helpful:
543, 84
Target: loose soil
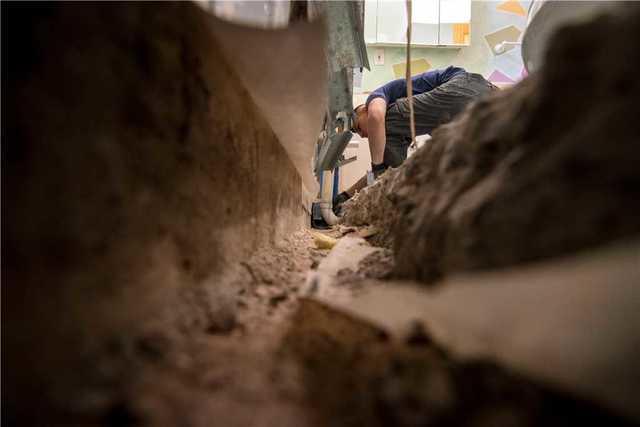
240, 378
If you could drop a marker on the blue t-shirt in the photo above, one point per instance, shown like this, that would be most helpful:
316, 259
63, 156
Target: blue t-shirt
422, 83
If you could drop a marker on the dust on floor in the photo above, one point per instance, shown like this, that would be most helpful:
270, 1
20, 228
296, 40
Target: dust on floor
275, 368
246, 377
240, 378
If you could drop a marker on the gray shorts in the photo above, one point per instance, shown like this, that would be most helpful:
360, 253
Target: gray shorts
431, 109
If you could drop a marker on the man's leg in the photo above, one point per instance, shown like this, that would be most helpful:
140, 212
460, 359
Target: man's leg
398, 135
436, 107
395, 151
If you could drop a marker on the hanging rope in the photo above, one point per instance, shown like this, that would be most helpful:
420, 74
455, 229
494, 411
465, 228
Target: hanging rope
412, 123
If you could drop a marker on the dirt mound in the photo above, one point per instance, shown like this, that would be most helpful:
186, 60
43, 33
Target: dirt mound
356, 374
546, 168
373, 206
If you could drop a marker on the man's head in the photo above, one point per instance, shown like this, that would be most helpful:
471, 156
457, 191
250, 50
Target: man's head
360, 123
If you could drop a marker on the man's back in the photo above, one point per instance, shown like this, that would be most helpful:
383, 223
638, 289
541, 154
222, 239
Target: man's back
421, 83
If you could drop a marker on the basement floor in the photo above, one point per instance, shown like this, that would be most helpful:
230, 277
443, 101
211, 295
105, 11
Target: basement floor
287, 364
215, 375
219, 374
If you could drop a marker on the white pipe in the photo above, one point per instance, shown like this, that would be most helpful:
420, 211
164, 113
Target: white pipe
325, 202
501, 48
327, 213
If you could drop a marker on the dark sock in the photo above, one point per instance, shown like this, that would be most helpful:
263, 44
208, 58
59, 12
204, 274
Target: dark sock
378, 169
339, 200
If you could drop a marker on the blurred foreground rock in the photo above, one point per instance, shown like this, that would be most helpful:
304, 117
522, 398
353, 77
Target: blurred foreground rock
137, 174
550, 344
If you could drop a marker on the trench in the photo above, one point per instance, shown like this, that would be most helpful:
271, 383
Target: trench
159, 268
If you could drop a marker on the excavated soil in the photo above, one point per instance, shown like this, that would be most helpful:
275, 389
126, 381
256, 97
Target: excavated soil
373, 206
544, 169
355, 373
240, 378
358, 376
137, 175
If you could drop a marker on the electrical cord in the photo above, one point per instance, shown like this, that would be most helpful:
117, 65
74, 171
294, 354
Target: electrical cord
412, 123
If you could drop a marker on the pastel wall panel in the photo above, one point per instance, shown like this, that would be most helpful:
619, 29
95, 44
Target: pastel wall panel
512, 6
461, 33
418, 66
507, 34
509, 63
498, 76
488, 18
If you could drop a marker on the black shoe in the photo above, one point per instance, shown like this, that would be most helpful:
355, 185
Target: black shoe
317, 221
338, 201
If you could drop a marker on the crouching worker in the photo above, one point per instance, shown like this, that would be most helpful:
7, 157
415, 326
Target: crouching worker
438, 96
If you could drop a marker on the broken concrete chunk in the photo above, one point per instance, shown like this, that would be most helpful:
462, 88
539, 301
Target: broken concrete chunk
375, 380
573, 323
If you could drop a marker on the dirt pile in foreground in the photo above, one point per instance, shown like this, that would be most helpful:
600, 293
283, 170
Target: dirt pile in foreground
546, 168
136, 175
356, 376
496, 349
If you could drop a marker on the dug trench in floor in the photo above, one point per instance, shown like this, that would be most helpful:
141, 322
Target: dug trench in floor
156, 261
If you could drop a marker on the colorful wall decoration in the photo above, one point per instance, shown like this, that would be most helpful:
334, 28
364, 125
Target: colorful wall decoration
512, 6
492, 22
418, 66
461, 33
506, 34
498, 77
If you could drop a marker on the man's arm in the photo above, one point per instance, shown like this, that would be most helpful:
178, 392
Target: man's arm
377, 110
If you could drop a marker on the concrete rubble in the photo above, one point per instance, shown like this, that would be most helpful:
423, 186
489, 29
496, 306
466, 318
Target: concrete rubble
517, 319
395, 355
